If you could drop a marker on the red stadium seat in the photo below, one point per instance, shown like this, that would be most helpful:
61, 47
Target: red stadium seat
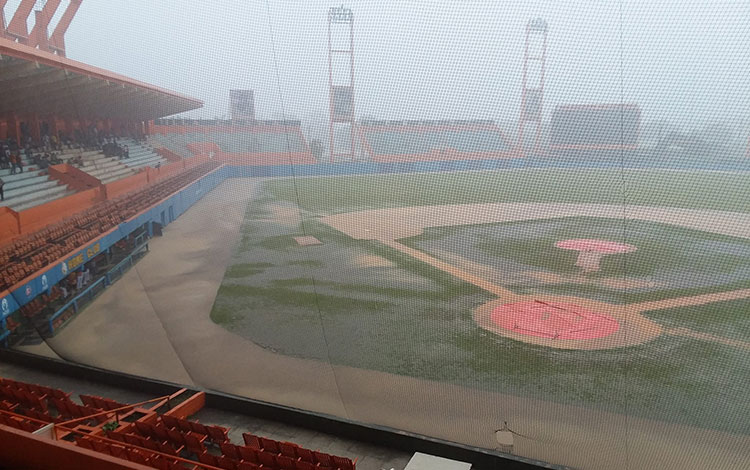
143, 428
198, 427
269, 445
176, 437
284, 462
248, 454
160, 431
323, 459
302, 465
217, 433
208, 459
251, 440
183, 425
267, 459
169, 421
194, 442
226, 463
230, 450
247, 466
288, 449
343, 463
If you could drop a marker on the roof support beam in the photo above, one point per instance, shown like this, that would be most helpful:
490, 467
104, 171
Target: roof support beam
38, 35
57, 39
2, 18
17, 26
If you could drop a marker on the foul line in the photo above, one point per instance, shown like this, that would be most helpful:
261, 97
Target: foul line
453, 270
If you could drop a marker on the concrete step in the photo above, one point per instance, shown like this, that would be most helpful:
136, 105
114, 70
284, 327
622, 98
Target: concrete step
8, 178
20, 183
141, 161
98, 165
53, 192
114, 175
32, 188
42, 199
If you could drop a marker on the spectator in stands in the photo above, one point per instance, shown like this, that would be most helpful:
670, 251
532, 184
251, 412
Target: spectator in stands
79, 280
126, 152
55, 142
12, 163
2, 193
4, 157
46, 142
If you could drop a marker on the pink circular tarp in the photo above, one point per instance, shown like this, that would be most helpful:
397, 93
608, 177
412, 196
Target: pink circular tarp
553, 320
598, 246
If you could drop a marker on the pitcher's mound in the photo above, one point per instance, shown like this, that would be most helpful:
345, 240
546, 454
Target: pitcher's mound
553, 320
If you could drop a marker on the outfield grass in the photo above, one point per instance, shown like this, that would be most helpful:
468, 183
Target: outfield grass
697, 190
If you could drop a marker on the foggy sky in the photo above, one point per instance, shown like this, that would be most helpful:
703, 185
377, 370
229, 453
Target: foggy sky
682, 61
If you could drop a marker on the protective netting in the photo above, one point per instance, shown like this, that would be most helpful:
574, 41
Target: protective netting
583, 299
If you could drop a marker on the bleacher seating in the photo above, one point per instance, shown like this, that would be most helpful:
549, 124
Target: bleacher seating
410, 141
271, 144
141, 155
157, 440
172, 142
106, 169
30, 188
30, 253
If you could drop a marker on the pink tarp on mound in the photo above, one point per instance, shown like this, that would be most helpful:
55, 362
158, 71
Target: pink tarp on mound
591, 244
553, 320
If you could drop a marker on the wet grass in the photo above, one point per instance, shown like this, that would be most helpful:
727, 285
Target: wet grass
662, 188
246, 269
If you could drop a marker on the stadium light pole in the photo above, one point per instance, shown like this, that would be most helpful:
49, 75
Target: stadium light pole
341, 96
532, 88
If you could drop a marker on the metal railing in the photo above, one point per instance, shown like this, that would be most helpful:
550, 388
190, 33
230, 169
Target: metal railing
91, 291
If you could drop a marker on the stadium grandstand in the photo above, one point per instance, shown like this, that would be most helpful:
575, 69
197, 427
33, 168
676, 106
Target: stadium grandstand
251, 143
594, 129
405, 141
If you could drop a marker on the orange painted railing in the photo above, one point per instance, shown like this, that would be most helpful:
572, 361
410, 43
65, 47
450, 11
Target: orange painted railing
9, 225
73, 177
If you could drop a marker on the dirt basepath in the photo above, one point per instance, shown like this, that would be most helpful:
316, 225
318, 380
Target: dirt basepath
389, 225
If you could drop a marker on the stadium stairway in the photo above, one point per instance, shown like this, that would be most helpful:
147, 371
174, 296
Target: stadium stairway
30, 188
141, 156
106, 169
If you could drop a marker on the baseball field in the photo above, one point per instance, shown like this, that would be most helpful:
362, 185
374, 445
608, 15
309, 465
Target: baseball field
596, 318
458, 278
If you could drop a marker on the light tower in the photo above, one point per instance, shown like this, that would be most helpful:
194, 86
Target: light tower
340, 83
532, 92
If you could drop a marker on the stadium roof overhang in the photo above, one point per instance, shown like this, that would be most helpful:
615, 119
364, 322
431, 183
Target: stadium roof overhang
38, 82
